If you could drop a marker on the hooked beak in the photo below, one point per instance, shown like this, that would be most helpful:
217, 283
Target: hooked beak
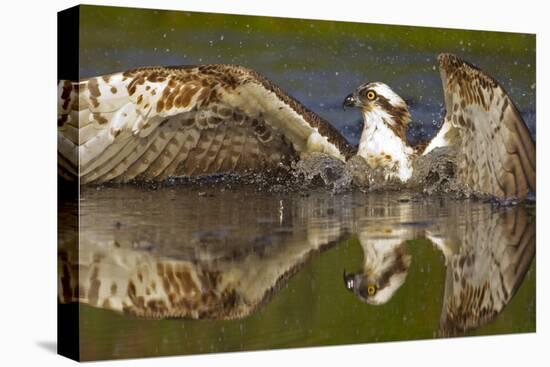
349, 281
350, 101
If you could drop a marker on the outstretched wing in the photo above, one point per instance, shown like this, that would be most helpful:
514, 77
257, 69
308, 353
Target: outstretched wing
496, 154
151, 123
487, 269
226, 272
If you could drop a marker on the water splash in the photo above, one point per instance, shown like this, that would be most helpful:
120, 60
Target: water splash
319, 169
432, 174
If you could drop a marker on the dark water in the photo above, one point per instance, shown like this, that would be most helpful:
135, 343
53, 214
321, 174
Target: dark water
237, 269
281, 259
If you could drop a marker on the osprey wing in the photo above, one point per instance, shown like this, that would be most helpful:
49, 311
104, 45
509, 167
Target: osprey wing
496, 154
150, 123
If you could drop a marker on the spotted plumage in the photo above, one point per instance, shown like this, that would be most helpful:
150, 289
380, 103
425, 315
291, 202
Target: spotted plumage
230, 271
486, 268
115, 277
193, 276
386, 262
486, 254
385, 269
137, 283
496, 154
151, 123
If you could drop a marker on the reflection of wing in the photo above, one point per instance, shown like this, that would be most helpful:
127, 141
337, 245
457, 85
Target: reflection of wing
496, 154
151, 123
142, 284
138, 283
487, 269
202, 275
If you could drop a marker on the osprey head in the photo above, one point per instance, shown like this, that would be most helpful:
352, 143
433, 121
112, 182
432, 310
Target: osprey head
378, 101
377, 283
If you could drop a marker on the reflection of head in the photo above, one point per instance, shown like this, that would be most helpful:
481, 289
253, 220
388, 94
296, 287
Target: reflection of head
384, 272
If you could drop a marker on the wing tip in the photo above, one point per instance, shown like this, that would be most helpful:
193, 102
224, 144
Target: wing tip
452, 63
447, 61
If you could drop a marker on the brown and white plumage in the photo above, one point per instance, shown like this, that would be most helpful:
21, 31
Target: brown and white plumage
164, 261
192, 272
385, 269
496, 154
385, 259
486, 268
141, 284
151, 123
487, 253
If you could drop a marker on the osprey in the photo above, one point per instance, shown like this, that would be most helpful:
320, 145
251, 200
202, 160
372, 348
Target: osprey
495, 152
156, 122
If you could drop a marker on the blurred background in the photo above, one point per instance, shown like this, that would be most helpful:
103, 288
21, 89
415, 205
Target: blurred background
317, 62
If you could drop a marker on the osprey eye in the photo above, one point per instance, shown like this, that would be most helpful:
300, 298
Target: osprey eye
371, 290
371, 95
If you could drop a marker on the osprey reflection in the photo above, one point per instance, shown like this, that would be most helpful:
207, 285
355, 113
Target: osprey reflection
487, 252
191, 260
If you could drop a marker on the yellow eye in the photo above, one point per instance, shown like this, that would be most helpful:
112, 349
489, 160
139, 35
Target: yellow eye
371, 290
371, 95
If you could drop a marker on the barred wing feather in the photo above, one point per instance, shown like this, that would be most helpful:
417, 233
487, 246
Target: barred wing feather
496, 154
151, 123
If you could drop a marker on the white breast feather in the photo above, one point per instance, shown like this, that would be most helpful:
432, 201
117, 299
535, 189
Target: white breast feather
378, 142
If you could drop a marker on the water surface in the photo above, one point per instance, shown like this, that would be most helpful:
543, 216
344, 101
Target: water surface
278, 262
